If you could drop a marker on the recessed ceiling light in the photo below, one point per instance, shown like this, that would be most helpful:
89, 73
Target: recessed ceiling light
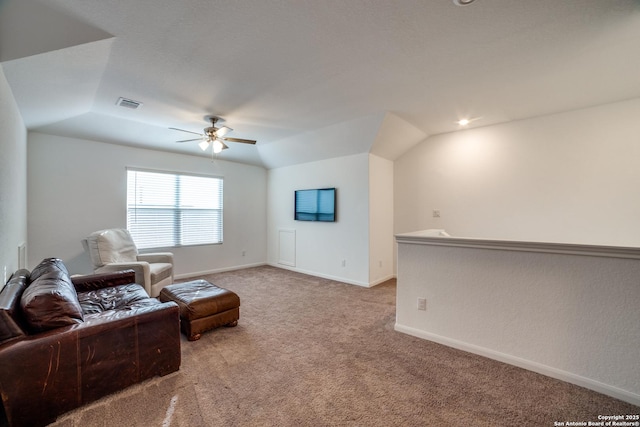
463, 2
467, 121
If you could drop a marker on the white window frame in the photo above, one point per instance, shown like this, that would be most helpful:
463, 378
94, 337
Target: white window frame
170, 207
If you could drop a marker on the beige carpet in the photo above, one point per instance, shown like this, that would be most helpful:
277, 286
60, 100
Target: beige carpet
314, 352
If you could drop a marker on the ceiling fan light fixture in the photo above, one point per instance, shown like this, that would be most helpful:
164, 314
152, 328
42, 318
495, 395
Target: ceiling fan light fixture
218, 146
204, 145
463, 2
213, 136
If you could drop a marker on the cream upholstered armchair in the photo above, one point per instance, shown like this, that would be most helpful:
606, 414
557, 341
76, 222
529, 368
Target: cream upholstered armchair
114, 250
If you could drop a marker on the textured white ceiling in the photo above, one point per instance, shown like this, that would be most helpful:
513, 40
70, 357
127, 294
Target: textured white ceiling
290, 73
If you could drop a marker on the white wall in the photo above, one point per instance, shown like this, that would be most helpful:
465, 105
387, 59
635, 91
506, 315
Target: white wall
381, 241
78, 186
13, 181
336, 140
570, 316
321, 247
570, 177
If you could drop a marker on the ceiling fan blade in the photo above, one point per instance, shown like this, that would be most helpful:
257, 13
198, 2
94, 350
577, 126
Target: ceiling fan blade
189, 140
244, 141
188, 131
223, 131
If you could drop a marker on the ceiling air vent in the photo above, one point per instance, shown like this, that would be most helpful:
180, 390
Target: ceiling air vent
128, 103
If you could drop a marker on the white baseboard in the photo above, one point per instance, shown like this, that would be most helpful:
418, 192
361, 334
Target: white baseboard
217, 270
384, 279
549, 371
316, 274
284, 267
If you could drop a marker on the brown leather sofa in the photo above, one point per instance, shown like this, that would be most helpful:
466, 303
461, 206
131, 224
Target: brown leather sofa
66, 341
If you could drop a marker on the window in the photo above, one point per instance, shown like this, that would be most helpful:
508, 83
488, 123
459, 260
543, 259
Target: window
167, 209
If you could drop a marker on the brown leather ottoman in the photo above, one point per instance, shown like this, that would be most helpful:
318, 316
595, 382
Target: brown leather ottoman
203, 306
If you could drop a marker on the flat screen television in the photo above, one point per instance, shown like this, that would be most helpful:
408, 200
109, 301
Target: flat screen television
315, 205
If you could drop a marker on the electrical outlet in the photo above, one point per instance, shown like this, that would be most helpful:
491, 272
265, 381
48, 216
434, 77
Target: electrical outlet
244, 253
422, 304
436, 213
380, 264
344, 262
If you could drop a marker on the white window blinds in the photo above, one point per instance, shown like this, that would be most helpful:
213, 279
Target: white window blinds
167, 209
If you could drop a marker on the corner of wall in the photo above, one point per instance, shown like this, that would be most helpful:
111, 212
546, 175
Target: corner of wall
13, 180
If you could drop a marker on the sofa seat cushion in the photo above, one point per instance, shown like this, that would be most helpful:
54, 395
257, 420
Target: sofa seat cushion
50, 301
122, 297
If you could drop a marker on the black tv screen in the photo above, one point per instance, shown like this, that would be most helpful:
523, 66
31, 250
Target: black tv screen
315, 205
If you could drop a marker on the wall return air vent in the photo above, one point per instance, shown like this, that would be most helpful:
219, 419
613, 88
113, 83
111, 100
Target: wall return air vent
128, 103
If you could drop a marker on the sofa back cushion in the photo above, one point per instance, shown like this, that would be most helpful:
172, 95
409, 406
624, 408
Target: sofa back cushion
10, 320
112, 245
50, 301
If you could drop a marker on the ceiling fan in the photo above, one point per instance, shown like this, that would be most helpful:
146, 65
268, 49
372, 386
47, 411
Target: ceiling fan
214, 136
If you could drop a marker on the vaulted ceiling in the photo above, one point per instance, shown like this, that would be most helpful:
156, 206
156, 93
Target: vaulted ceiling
310, 79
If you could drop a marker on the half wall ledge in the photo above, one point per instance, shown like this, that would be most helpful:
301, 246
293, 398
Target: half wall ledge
569, 311
439, 237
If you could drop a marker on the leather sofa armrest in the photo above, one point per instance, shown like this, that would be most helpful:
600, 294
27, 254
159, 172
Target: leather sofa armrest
92, 282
